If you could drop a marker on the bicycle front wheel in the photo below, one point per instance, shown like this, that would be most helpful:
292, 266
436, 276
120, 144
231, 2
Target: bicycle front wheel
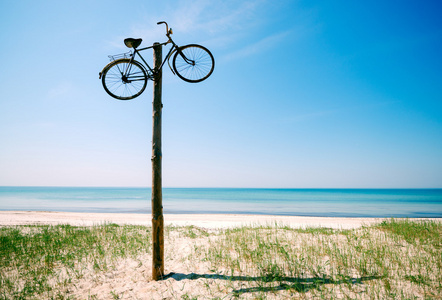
124, 79
193, 63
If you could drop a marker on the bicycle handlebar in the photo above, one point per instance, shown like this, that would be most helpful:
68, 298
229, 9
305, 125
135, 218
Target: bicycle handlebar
167, 27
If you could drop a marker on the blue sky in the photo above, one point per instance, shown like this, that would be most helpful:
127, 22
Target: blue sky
305, 94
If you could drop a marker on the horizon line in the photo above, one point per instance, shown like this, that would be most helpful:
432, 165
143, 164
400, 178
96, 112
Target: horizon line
264, 188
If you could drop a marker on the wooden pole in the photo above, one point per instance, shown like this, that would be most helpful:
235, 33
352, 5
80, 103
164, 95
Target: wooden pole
157, 197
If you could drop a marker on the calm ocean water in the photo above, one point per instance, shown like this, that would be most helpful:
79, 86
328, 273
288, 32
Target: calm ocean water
296, 202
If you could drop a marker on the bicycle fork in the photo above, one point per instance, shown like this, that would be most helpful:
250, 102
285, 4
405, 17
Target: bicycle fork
189, 61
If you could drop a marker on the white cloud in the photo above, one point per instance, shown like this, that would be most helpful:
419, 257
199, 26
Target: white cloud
211, 23
61, 90
260, 46
201, 18
313, 115
211, 17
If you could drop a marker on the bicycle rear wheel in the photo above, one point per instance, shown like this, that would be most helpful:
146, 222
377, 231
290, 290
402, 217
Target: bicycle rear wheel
193, 63
123, 79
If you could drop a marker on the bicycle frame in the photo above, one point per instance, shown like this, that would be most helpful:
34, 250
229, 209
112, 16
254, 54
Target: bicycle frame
137, 51
174, 48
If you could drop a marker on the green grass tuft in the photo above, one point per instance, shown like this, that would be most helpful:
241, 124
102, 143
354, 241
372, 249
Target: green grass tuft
415, 232
31, 255
396, 259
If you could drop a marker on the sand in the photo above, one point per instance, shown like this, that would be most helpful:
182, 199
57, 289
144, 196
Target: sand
208, 221
131, 278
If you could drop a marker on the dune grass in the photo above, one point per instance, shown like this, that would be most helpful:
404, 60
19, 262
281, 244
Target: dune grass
40, 261
396, 259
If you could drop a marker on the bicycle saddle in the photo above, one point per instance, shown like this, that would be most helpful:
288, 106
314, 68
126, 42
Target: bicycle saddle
132, 43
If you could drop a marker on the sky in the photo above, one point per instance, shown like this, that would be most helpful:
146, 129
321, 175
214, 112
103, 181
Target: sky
305, 94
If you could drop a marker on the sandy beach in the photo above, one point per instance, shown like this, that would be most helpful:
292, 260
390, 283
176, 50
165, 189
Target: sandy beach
208, 221
208, 262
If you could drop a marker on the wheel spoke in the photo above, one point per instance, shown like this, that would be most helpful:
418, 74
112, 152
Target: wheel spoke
200, 69
125, 80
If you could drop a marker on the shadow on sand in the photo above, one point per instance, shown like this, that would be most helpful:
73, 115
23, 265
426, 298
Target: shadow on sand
298, 284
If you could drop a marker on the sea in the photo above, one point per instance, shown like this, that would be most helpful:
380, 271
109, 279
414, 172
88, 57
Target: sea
376, 203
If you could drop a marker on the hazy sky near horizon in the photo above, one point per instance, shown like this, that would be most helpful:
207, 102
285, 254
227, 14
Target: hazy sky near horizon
305, 94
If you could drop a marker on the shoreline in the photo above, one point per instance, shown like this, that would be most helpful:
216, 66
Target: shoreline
209, 221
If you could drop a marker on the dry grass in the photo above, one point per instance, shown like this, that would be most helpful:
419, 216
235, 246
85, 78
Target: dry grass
392, 260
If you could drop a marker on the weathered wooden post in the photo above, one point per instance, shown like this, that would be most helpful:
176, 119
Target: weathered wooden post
195, 64
157, 195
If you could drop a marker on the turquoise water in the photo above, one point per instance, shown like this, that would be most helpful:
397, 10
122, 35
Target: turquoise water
296, 202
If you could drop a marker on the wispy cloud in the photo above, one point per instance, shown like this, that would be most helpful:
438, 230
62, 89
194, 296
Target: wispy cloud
60, 90
204, 19
214, 24
216, 17
260, 46
356, 109
312, 116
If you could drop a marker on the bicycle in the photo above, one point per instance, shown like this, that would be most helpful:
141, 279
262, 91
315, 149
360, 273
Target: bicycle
125, 78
